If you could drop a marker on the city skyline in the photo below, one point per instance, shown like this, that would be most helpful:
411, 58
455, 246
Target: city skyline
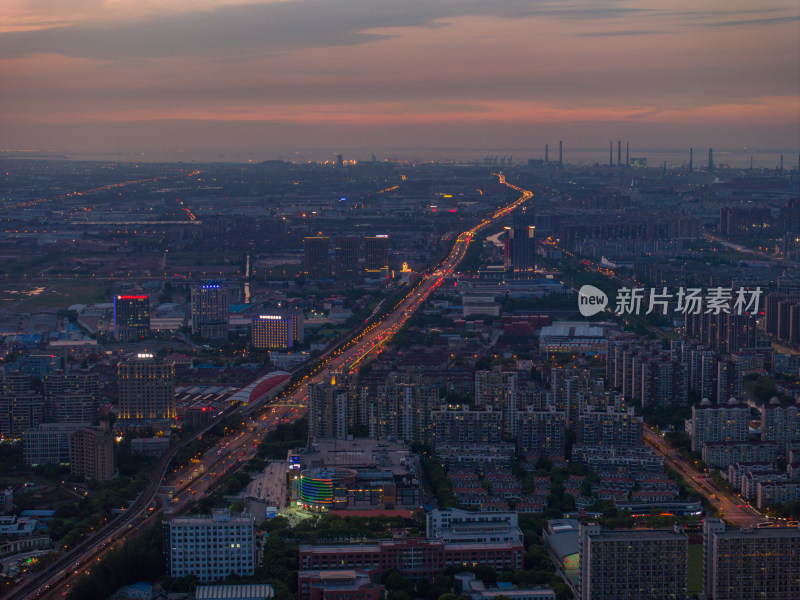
277, 79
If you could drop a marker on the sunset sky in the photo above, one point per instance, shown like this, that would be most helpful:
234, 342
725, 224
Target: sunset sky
100, 76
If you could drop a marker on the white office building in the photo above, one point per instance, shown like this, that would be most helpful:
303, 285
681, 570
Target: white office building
212, 548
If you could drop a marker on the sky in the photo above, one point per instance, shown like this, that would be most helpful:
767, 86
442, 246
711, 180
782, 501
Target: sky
277, 79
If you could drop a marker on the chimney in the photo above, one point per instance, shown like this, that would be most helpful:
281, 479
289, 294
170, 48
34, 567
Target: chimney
560, 153
627, 154
546, 153
710, 160
690, 160
611, 153
619, 152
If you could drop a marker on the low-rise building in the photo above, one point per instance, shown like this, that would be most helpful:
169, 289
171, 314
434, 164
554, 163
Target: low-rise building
413, 557
460, 526
337, 585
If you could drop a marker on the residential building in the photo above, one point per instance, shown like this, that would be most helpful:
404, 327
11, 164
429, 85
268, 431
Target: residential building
91, 453
20, 406
780, 422
721, 455
327, 408
71, 398
541, 432
461, 425
632, 564
742, 564
403, 411
721, 423
610, 428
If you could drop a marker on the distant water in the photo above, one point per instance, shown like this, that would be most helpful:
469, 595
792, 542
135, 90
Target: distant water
656, 157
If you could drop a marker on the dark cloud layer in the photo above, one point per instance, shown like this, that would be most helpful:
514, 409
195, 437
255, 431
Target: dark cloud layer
275, 27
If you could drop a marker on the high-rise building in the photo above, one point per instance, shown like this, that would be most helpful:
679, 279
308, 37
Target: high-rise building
273, 331
210, 311
780, 422
20, 406
403, 411
778, 313
376, 254
632, 564
520, 249
345, 252
541, 432
729, 379
49, 443
465, 426
211, 547
146, 389
317, 263
741, 564
610, 428
131, 317
721, 423
91, 452
278, 329
71, 398
500, 390
298, 324
327, 408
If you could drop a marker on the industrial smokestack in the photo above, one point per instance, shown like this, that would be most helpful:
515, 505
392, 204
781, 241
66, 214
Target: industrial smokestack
781, 162
690, 159
546, 153
560, 153
619, 153
611, 153
627, 154
710, 160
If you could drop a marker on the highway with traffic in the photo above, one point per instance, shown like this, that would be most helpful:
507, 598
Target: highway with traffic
207, 471
731, 507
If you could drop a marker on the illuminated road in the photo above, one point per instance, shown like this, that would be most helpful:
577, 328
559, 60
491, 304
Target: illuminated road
374, 339
734, 509
745, 250
103, 188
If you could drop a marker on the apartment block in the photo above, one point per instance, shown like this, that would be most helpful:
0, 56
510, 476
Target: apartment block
722, 423
632, 564
743, 564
